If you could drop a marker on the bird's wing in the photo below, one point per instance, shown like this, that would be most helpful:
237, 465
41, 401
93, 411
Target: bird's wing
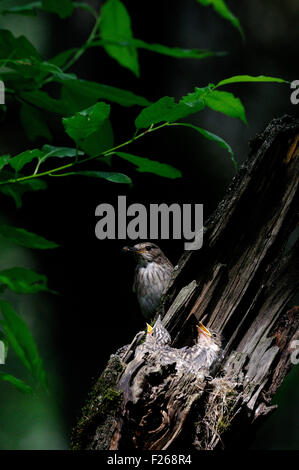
135, 280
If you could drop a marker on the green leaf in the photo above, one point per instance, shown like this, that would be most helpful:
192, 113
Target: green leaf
34, 123
36, 69
166, 110
221, 8
22, 342
18, 383
86, 122
16, 48
17, 82
27, 10
157, 112
177, 52
23, 280
16, 190
226, 103
58, 152
145, 165
85, 6
6, 175
4, 159
115, 25
107, 175
99, 141
80, 94
42, 100
22, 237
63, 8
249, 78
210, 136
23, 158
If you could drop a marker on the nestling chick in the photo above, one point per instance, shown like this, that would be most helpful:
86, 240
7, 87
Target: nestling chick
152, 276
202, 355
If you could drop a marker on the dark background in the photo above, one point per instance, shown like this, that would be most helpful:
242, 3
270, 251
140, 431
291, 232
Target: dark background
96, 312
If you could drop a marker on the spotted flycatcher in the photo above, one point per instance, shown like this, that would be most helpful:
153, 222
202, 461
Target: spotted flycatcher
152, 275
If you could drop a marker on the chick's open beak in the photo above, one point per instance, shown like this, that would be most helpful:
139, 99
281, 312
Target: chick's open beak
202, 329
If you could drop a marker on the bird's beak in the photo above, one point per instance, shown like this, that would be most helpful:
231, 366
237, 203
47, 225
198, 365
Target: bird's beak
149, 329
131, 249
202, 329
128, 249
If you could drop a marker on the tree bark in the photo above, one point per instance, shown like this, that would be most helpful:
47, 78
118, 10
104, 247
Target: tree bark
239, 284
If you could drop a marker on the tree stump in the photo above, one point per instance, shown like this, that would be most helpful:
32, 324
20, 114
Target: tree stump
240, 284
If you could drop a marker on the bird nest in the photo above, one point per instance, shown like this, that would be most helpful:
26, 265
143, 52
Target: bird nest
220, 408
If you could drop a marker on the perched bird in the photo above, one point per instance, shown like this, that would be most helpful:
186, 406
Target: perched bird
152, 276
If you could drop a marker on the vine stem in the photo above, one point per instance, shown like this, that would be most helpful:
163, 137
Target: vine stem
81, 50
71, 165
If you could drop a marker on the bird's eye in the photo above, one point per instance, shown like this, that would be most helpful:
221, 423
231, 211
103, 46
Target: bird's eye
214, 335
148, 247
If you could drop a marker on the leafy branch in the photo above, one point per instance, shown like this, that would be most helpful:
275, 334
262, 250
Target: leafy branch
83, 107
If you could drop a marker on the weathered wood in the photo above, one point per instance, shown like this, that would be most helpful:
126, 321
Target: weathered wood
240, 283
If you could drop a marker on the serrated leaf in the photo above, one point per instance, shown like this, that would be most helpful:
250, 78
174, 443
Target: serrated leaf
63, 8
221, 8
23, 280
86, 122
16, 190
23, 158
33, 122
116, 24
22, 342
80, 94
249, 78
18, 383
145, 165
22, 237
107, 175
